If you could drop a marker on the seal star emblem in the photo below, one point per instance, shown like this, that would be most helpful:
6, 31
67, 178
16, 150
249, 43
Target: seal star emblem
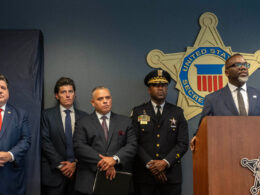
200, 70
254, 166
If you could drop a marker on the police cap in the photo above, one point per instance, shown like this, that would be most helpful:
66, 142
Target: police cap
157, 76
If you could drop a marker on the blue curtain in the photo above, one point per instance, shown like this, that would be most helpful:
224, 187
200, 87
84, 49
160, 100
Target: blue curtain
21, 61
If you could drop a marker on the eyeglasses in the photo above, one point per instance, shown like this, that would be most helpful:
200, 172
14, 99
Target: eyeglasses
239, 65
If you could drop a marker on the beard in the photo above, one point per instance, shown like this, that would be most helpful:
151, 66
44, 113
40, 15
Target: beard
242, 79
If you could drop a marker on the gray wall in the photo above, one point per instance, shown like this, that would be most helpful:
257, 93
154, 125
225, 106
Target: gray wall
106, 42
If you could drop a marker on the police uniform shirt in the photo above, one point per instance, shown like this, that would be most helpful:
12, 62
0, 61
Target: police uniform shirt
155, 111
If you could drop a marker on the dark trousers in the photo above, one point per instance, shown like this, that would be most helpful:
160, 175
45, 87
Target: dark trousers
157, 189
65, 188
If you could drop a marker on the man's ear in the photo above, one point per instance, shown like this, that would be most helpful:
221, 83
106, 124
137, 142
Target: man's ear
226, 73
57, 97
92, 102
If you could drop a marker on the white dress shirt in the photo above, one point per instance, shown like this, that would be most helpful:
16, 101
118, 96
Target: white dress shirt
243, 91
99, 116
72, 116
155, 108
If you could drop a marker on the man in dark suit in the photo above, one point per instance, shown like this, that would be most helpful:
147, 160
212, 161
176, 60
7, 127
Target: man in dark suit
236, 98
103, 139
58, 163
162, 134
14, 143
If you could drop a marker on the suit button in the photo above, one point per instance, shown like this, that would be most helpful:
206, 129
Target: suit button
157, 155
158, 126
142, 129
158, 135
157, 145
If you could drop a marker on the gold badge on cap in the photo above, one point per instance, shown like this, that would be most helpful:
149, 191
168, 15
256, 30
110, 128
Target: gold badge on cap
144, 118
159, 72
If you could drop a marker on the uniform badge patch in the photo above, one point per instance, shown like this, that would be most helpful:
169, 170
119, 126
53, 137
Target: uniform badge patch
144, 118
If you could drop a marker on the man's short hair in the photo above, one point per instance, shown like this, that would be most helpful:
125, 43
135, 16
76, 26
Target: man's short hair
64, 81
97, 88
3, 78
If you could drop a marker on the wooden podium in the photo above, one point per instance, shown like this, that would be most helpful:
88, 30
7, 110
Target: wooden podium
222, 141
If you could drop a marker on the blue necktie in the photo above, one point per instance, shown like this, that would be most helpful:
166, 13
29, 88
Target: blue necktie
68, 134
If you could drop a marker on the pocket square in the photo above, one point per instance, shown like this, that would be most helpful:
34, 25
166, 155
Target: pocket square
121, 132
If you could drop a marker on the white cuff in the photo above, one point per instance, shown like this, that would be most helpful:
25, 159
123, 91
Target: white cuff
11, 156
168, 164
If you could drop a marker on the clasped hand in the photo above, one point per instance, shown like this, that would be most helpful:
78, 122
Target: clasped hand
4, 158
107, 164
68, 168
157, 167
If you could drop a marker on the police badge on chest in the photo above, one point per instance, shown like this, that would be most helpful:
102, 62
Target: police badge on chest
173, 123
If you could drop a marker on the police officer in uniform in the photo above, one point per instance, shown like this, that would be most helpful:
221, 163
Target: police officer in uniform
163, 139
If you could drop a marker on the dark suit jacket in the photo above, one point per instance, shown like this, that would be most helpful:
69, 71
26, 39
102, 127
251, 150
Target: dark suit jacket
14, 137
89, 142
53, 145
160, 140
221, 103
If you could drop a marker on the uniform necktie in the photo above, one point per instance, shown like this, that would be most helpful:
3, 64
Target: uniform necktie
1, 118
104, 126
158, 113
241, 103
68, 134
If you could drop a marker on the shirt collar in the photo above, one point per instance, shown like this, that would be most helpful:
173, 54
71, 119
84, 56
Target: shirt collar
234, 88
3, 107
100, 115
62, 109
154, 104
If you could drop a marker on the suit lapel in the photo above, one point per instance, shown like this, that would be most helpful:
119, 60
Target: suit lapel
228, 100
252, 99
77, 115
98, 128
57, 115
112, 128
6, 120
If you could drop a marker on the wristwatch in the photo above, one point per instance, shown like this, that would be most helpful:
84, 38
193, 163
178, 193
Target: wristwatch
116, 159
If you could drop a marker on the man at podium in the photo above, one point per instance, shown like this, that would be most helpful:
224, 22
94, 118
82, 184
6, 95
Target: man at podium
236, 98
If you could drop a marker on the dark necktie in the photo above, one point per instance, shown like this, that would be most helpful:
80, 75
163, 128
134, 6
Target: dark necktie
68, 133
1, 118
104, 126
241, 104
158, 113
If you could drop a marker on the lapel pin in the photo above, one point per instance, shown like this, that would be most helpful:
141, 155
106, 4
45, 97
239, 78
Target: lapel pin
9, 112
254, 96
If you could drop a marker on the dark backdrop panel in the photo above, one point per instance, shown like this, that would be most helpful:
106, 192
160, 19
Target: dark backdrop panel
21, 61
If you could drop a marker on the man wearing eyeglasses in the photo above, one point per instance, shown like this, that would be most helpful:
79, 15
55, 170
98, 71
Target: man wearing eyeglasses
236, 98
162, 133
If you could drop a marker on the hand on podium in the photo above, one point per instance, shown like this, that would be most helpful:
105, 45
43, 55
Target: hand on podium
193, 143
